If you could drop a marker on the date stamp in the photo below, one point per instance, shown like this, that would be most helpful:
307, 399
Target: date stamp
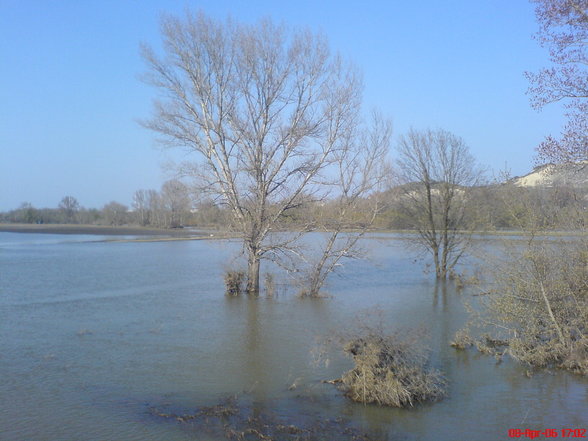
547, 433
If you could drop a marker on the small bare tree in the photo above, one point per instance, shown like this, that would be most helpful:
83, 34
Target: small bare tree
262, 109
436, 169
141, 206
360, 169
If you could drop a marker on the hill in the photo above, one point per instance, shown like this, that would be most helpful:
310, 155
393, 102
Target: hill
550, 175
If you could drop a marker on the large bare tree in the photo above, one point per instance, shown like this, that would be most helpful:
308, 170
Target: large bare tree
436, 169
262, 108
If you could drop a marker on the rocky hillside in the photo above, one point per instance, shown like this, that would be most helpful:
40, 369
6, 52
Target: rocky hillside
550, 175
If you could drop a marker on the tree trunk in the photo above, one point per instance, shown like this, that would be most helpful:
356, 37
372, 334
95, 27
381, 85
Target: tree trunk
253, 274
435, 249
442, 274
562, 340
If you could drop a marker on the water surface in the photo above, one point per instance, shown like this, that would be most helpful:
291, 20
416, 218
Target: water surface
93, 334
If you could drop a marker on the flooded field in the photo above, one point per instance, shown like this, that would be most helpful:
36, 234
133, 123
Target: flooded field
96, 335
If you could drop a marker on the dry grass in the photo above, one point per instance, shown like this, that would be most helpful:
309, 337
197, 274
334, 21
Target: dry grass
269, 285
537, 310
390, 371
234, 282
462, 340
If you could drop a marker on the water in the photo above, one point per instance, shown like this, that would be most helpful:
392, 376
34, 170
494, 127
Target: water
93, 334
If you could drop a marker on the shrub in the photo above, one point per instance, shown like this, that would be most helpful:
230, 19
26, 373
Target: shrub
270, 285
391, 372
234, 282
538, 309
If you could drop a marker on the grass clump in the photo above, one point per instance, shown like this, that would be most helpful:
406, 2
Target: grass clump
234, 283
462, 340
390, 371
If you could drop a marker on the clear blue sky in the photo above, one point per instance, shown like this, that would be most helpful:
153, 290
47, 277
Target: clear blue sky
70, 97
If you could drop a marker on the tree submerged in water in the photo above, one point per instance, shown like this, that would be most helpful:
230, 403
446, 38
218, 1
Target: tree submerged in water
437, 172
262, 111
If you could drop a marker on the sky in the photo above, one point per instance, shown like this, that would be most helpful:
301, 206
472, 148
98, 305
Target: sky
70, 93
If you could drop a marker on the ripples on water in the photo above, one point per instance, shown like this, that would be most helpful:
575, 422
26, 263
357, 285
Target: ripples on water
94, 333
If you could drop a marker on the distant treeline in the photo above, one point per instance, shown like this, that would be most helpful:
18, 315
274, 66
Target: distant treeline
507, 207
493, 207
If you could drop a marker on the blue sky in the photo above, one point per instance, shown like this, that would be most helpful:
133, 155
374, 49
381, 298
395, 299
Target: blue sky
70, 97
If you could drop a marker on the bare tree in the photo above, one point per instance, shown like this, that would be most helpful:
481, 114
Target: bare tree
436, 168
359, 169
564, 31
115, 213
155, 209
69, 207
262, 108
176, 202
141, 206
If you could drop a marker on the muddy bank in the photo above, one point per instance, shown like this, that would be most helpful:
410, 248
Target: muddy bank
240, 418
99, 230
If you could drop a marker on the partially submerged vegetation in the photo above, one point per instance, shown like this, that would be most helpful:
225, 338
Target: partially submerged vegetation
234, 282
390, 371
238, 419
537, 311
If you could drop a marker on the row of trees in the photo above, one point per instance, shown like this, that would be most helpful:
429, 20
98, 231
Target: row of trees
69, 211
494, 207
170, 207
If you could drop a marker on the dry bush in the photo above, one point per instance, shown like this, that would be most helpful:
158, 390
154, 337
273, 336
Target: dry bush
390, 371
539, 306
461, 279
270, 285
234, 282
462, 340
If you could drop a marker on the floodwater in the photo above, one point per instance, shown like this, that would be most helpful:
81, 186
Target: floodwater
95, 334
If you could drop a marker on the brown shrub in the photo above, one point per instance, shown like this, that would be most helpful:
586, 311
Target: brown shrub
270, 285
234, 282
391, 372
538, 308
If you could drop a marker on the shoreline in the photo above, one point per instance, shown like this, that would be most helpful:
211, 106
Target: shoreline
99, 230
201, 233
